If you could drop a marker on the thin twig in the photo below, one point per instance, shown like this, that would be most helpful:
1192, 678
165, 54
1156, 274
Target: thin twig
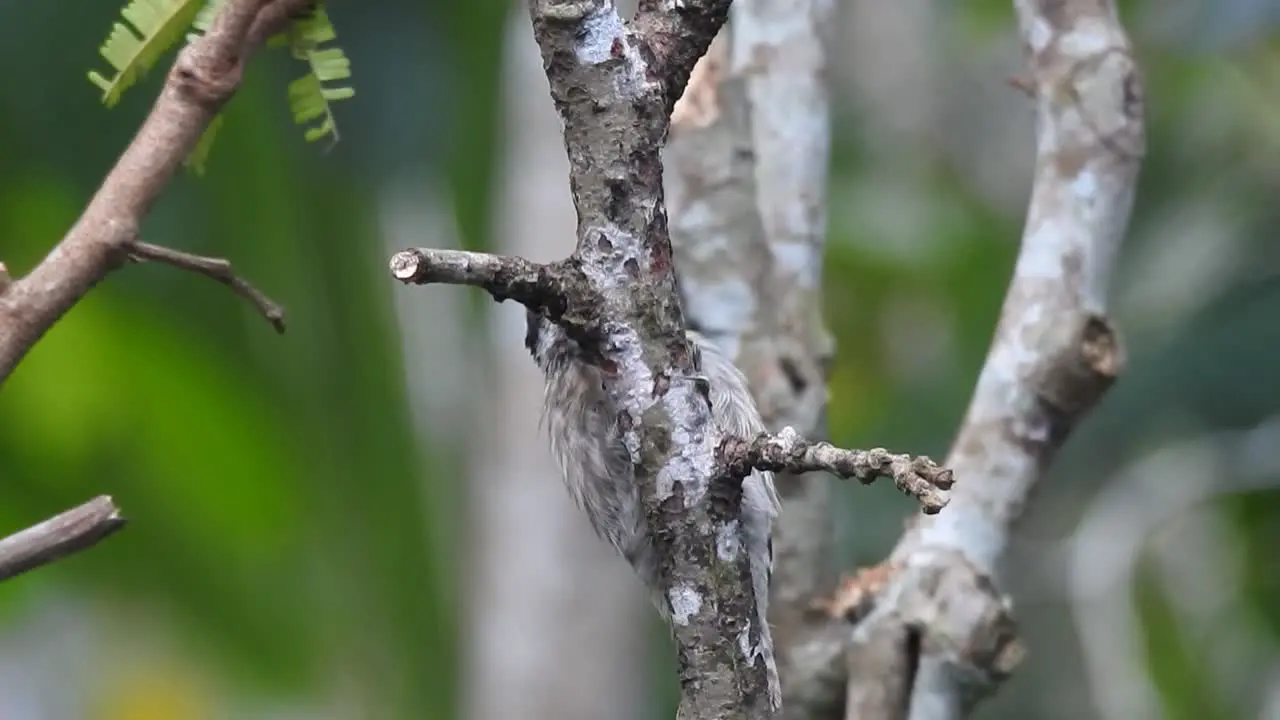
204, 76
787, 451
77, 529
215, 269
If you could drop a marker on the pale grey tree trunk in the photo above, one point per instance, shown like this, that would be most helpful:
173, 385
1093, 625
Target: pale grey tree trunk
746, 176
557, 619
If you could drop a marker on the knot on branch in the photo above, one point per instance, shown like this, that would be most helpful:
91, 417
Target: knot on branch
950, 611
1091, 357
208, 71
788, 452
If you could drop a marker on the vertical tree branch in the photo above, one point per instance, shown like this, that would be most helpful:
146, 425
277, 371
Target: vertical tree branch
1053, 356
614, 85
746, 180
540, 577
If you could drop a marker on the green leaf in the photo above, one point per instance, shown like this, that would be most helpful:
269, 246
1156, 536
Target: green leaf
204, 18
200, 153
309, 98
151, 27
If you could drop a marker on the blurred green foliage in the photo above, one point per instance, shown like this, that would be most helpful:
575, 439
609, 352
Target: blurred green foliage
280, 501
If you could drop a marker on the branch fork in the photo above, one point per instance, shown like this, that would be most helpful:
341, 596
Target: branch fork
1054, 356
218, 269
204, 76
614, 84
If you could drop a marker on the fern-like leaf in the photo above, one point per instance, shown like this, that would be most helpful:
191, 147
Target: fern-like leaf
310, 96
151, 27
199, 155
204, 18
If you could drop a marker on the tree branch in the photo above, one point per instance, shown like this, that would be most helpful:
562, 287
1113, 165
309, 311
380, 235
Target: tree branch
714, 677
677, 34
1053, 356
746, 180
505, 277
204, 76
787, 452
218, 269
77, 529
614, 84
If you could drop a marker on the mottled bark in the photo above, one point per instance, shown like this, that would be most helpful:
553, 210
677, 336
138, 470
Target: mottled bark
555, 617
746, 178
614, 85
746, 174
1054, 354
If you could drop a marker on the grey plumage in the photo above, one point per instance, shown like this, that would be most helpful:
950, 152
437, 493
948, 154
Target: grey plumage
586, 440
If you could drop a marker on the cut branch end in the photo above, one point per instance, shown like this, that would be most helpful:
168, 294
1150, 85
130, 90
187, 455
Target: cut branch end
505, 277
77, 529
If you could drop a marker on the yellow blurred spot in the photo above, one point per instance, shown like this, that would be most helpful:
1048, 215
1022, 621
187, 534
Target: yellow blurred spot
155, 695
855, 395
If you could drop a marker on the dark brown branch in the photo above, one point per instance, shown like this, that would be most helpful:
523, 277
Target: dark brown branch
77, 529
678, 34
204, 76
218, 269
505, 277
786, 451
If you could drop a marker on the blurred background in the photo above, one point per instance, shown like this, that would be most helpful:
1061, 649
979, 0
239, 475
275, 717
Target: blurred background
358, 519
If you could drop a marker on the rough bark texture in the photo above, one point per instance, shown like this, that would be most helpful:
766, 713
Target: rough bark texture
614, 85
1053, 356
542, 585
786, 451
204, 76
614, 88
747, 176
